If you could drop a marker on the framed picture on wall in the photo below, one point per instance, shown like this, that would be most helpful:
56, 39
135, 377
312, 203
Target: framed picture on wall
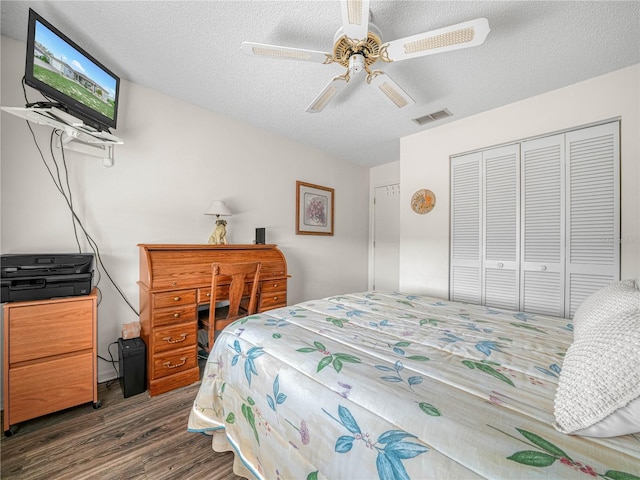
314, 209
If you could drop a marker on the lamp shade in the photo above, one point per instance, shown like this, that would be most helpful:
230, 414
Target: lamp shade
218, 208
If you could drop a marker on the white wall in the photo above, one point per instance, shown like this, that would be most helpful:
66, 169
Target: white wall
176, 159
424, 163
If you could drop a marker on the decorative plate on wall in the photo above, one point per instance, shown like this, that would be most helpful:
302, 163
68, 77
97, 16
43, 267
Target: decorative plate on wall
423, 201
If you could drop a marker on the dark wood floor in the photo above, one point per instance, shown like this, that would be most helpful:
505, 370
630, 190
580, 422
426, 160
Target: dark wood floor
136, 437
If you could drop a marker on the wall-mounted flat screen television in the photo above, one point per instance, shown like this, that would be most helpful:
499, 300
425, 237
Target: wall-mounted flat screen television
70, 77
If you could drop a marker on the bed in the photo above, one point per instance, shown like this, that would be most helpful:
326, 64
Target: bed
395, 386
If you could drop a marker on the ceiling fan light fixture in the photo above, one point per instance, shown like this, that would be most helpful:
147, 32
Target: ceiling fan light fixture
356, 63
357, 46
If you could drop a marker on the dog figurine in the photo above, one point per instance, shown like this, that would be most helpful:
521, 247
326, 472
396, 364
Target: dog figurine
219, 235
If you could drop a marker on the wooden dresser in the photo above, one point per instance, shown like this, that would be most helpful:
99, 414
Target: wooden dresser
174, 280
50, 357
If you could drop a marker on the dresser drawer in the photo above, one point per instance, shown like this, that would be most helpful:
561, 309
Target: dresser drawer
168, 316
39, 331
174, 337
174, 361
273, 286
170, 299
204, 295
272, 300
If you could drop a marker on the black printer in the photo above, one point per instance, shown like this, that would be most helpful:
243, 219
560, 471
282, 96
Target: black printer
41, 276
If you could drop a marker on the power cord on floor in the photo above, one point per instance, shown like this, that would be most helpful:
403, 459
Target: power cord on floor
113, 362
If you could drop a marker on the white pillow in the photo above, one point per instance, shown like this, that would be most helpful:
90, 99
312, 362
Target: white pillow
623, 421
600, 373
616, 298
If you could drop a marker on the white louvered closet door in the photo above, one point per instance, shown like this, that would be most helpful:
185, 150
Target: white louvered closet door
543, 232
501, 225
593, 211
535, 226
466, 229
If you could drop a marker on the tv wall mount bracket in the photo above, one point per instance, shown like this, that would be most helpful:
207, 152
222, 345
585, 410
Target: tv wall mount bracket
75, 134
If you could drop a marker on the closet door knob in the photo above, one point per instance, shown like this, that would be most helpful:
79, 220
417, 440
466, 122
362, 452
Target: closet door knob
500, 265
543, 267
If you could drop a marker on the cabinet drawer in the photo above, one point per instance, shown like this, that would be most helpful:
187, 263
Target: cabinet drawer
170, 299
204, 295
174, 315
174, 361
272, 300
273, 286
39, 331
173, 337
40, 388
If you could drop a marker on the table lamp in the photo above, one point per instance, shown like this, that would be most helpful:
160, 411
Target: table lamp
219, 234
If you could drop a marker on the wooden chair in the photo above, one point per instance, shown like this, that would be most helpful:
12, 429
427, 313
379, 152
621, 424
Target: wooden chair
243, 297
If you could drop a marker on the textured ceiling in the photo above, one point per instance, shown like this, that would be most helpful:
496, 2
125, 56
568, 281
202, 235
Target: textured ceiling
191, 50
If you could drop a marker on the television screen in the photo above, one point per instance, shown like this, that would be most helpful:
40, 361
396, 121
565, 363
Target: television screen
68, 75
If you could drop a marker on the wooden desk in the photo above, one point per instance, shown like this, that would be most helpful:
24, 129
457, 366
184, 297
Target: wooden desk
174, 279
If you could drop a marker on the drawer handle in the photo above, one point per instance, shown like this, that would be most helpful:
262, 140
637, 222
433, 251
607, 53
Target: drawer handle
275, 285
174, 284
168, 364
275, 298
208, 294
176, 299
183, 337
176, 315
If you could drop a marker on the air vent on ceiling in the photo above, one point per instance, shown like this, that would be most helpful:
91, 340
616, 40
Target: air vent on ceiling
432, 117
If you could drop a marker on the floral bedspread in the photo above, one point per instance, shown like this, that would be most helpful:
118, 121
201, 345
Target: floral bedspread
395, 386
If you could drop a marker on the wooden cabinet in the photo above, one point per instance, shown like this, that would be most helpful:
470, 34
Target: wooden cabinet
50, 357
174, 280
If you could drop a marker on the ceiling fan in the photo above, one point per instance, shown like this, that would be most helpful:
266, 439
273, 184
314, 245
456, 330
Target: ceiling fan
358, 46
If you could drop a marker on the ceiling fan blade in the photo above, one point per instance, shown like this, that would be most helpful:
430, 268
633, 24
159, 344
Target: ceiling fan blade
391, 90
355, 18
454, 37
328, 93
275, 51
